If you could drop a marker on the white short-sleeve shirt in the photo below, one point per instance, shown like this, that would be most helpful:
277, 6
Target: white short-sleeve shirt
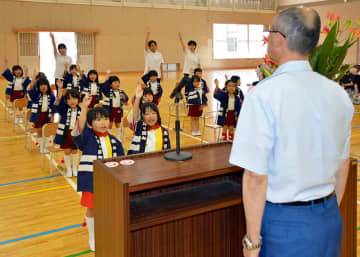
153, 61
191, 61
60, 65
294, 127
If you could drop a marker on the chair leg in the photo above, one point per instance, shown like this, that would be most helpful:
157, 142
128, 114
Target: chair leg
50, 164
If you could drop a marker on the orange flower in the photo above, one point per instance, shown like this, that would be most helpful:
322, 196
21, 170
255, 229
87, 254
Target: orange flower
351, 29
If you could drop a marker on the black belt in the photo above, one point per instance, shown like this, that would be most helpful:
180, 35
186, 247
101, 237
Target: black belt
317, 201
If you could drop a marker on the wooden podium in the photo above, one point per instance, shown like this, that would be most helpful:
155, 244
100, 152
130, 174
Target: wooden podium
160, 208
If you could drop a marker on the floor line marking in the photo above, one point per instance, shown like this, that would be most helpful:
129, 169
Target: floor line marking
33, 192
29, 180
79, 254
68, 180
39, 234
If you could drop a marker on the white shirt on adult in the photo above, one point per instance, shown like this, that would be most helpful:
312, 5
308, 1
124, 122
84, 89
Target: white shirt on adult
191, 61
60, 61
294, 127
153, 61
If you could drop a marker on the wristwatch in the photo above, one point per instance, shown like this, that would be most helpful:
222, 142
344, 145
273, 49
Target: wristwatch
250, 245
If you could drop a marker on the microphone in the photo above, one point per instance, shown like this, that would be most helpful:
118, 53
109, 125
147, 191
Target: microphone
180, 86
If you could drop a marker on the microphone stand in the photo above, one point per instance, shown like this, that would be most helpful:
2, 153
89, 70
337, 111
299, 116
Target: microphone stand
177, 155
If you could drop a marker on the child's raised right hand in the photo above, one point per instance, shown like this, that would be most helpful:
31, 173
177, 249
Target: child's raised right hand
34, 74
51, 35
60, 83
87, 100
147, 29
139, 90
216, 83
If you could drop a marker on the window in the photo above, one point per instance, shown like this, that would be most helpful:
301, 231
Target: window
232, 41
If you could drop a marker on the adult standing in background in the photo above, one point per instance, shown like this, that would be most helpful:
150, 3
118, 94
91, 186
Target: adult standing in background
191, 57
293, 140
153, 58
62, 61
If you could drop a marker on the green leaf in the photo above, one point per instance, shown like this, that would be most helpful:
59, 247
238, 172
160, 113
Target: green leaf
314, 57
336, 60
343, 70
347, 25
326, 49
266, 72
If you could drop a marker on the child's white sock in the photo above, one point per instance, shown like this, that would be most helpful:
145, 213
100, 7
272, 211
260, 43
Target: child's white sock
117, 133
75, 158
67, 161
91, 230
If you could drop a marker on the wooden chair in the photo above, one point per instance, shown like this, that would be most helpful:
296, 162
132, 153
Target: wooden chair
19, 104
6, 108
212, 115
28, 130
49, 130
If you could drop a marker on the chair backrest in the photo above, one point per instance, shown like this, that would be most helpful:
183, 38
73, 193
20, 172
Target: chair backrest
53, 87
98, 105
8, 97
125, 121
49, 129
28, 114
143, 86
21, 103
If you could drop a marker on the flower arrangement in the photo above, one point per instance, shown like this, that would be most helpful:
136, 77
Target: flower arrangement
328, 57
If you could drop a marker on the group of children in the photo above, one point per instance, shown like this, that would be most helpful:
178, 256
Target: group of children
85, 126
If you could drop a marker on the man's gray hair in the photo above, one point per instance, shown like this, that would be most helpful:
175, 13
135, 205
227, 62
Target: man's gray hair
301, 26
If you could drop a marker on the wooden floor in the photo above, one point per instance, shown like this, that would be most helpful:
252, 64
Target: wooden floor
41, 215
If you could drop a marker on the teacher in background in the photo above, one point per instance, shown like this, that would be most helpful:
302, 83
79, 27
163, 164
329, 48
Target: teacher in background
293, 140
62, 61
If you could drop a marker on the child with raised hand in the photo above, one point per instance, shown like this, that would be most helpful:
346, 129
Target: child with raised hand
115, 98
92, 137
191, 57
90, 84
149, 136
151, 81
230, 106
18, 81
73, 77
153, 58
141, 96
196, 98
68, 108
42, 108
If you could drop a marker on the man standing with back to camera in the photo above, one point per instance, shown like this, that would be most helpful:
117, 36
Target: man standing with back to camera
293, 140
